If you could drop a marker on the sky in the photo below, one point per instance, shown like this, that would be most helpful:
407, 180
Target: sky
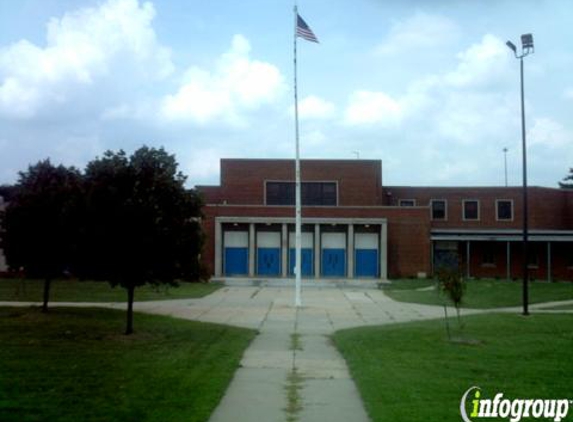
427, 86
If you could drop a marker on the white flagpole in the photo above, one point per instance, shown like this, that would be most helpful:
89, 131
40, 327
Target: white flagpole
298, 212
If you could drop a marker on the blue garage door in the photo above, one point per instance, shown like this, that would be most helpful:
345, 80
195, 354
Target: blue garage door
269, 253
236, 254
307, 254
333, 258
366, 255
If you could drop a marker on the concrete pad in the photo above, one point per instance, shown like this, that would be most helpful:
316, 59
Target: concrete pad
255, 394
332, 400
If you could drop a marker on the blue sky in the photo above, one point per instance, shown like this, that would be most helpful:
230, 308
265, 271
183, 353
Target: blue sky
428, 87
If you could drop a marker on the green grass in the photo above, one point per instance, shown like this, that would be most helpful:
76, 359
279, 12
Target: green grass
409, 372
482, 294
96, 291
75, 365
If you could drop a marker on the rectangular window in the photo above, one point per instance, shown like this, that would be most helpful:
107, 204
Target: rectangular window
504, 209
312, 193
439, 209
407, 202
488, 256
471, 209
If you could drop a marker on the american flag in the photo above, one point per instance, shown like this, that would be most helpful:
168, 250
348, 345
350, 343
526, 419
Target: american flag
303, 30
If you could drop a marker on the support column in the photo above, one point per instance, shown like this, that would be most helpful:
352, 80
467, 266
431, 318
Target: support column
218, 249
384, 250
508, 261
316, 250
284, 250
350, 251
468, 259
549, 262
252, 251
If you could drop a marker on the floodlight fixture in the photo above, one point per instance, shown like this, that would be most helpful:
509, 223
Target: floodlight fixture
526, 46
527, 43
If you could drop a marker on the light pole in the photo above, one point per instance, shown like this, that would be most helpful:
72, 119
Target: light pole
526, 49
505, 164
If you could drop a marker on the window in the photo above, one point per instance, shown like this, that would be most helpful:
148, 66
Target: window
488, 256
439, 209
471, 209
407, 202
312, 193
504, 209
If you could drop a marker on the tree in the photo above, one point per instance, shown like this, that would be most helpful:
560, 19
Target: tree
451, 283
40, 225
567, 182
142, 225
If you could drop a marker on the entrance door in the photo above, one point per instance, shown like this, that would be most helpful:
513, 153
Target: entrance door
366, 255
269, 253
333, 254
236, 253
307, 254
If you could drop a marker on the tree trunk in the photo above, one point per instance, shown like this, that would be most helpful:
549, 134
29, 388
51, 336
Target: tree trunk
47, 283
130, 292
447, 323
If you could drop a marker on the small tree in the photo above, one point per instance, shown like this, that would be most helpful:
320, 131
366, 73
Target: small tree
451, 283
142, 225
567, 182
40, 224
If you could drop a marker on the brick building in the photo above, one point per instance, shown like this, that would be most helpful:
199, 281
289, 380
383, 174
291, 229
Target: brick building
354, 227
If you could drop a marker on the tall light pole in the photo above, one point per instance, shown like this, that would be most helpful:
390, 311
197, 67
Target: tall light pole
526, 49
505, 164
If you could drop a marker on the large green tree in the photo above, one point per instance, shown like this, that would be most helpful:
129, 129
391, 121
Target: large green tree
142, 225
39, 228
567, 182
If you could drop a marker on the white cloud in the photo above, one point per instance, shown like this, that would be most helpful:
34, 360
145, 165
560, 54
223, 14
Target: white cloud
453, 105
419, 31
313, 107
81, 47
237, 84
547, 132
481, 64
368, 108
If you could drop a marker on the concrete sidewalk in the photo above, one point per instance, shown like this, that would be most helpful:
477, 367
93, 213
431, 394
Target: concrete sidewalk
291, 371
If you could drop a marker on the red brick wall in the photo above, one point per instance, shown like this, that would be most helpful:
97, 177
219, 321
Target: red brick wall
243, 181
408, 231
549, 209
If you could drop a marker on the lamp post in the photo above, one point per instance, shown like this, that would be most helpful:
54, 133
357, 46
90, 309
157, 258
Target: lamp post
505, 164
526, 49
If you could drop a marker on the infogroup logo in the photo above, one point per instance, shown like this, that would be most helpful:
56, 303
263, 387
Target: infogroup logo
514, 410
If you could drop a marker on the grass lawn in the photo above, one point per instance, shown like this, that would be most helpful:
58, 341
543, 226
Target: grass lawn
409, 372
75, 365
481, 294
96, 291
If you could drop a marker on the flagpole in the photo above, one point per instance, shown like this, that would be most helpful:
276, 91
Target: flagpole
298, 211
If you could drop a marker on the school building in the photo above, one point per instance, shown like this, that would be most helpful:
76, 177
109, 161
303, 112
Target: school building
356, 228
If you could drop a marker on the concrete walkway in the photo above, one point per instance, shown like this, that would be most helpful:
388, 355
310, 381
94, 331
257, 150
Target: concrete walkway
291, 371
